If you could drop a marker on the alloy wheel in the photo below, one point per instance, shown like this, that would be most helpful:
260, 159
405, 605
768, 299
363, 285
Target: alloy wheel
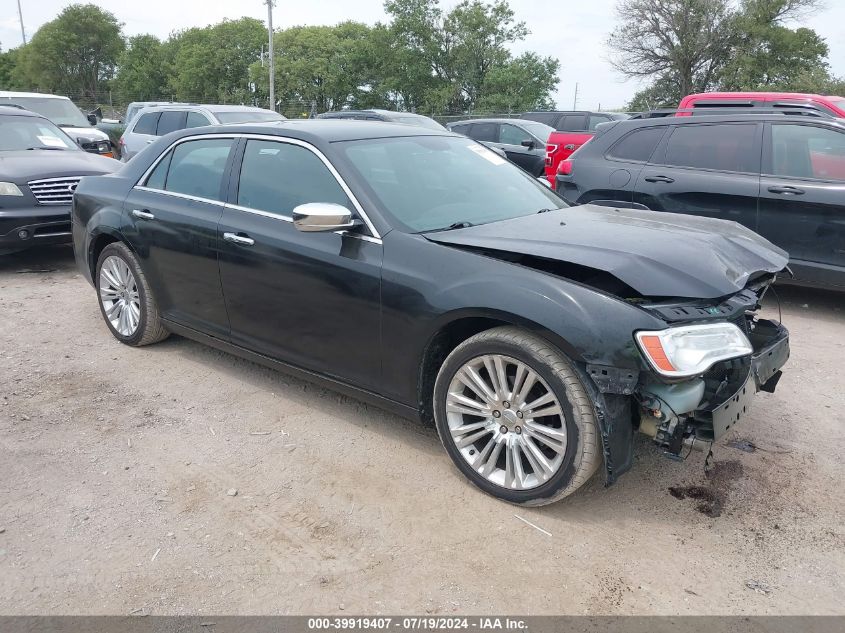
119, 296
506, 422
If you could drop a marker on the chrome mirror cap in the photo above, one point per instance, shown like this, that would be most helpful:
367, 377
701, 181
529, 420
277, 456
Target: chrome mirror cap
322, 216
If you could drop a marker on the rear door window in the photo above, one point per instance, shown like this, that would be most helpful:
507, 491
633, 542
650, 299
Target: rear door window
638, 146
729, 147
170, 121
806, 151
147, 123
194, 168
595, 119
573, 123
485, 132
460, 129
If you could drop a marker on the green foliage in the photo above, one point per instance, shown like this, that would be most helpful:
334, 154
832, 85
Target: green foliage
521, 84
687, 46
75, 53
8, 63
211, 64
143, 70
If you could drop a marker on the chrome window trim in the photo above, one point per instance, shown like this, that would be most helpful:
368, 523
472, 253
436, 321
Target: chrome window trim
261, 137
184, 196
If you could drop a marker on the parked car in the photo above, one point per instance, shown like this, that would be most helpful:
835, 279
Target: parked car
40, 167
572, 130
154, 121
115, 128
62, 112
781, 176
522, 141
422, 272
408, 118
789, 100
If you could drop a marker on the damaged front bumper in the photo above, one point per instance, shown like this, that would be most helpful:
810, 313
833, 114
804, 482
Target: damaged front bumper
736, 382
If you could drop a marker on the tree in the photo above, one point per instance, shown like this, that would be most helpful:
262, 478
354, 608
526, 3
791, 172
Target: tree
456, 51
211, 64
524, 83
8, 63
683, 42
768, 55
142, 73
76, 53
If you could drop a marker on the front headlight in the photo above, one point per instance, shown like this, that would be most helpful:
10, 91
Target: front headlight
689, 350
9, 189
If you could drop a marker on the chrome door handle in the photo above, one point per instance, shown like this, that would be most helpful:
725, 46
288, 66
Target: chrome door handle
143, 215
664, 179
152, 140
787, 190
238, 239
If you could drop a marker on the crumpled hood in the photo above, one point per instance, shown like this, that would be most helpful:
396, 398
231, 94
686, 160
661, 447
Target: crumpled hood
25, 165
657, 254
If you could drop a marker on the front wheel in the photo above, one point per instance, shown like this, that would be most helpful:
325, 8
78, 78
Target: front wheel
126, 300
515, 417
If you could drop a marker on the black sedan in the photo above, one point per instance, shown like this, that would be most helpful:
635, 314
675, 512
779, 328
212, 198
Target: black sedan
40, 167
522, 141
423, 272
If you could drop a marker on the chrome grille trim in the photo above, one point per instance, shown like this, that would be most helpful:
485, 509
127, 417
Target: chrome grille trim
50, 191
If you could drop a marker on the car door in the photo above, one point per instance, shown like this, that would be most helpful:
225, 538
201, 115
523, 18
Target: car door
708, 169
308, 299
802, 195
171, 220
510, 141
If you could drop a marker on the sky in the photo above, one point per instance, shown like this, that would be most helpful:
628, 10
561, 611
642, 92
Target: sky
574, 31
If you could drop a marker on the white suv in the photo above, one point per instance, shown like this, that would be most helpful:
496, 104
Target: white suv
155, 121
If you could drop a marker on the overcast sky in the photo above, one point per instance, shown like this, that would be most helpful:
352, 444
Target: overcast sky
573, 31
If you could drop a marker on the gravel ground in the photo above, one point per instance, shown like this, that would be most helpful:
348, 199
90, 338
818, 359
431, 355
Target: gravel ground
177, 479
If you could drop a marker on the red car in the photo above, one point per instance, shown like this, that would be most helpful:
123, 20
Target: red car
830, 105
573, 129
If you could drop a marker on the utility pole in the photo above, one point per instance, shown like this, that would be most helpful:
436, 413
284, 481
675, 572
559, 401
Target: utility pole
575, 100
20, 17
270, 4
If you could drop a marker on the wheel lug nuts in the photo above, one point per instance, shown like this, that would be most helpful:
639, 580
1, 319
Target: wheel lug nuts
518, 430
503, 429
519, 414
506, 404
496, 414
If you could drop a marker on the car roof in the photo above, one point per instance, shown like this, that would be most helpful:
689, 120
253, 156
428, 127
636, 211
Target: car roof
206, 106
326, 130
496, 120
731, 118
758, 95
11, 110
9, 93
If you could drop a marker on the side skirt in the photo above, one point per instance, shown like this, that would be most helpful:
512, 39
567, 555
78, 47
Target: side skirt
346, 389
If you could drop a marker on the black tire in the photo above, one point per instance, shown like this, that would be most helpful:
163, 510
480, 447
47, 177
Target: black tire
583, 454
150, 328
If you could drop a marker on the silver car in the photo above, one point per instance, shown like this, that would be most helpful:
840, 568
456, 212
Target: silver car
152, 122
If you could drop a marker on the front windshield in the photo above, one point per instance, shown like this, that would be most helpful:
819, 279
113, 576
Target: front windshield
62, 112
28, 132
247, 116
428, 183
419, 121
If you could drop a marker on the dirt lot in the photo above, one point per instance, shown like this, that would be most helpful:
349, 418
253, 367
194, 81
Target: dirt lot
117, 467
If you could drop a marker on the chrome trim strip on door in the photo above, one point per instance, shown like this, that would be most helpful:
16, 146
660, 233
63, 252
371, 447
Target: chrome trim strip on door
261, 137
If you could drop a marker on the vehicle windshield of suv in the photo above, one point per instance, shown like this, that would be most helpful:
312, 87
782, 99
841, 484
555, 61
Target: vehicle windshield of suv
419, 121
60, 111
429, 183
247, 116
28, 132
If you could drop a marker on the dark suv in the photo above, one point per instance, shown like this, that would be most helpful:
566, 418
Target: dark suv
782, 176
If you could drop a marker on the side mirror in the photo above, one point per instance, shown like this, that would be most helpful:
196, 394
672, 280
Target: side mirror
528, 143
92, 119
322, 216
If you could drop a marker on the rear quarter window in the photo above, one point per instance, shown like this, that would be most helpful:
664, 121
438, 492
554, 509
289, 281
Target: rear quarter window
729, 147
637, 146
147, 123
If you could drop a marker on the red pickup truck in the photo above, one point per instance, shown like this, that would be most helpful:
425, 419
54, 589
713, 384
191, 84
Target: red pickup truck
573, 129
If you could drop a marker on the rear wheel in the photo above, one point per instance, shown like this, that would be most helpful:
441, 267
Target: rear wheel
126, 301
515, 417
